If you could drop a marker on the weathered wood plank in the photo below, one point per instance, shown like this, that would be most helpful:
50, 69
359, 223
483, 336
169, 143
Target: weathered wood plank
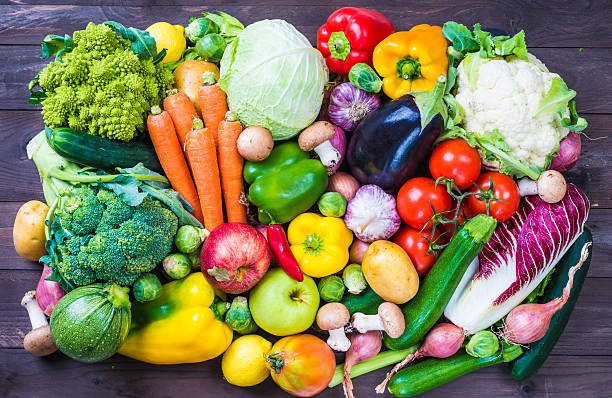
549, 23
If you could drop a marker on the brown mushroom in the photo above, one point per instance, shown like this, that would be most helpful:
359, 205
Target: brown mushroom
332, 317
38, 341
550, 186
316, 137
389, 319
255, 143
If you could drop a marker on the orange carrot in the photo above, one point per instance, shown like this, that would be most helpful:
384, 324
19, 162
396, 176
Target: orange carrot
230, 167
170, 154
180, 107
202, 156
213, 104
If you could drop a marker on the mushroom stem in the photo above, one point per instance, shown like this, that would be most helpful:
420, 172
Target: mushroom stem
338, 341
328, 155
36, 314
364, 323
527, 187
550, 186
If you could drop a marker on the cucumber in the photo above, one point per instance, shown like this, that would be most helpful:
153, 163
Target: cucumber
366, 302
99, 152
424, 310
530, 362
432, 373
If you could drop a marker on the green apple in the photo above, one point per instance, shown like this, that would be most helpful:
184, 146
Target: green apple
282, 306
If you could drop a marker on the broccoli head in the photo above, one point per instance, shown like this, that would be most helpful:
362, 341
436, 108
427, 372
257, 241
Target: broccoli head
110, 240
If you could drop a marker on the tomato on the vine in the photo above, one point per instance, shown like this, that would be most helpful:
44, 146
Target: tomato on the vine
455, 159
418, 198
415, 244
464, 214
505, 196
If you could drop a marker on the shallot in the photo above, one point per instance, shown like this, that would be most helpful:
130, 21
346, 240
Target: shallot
48, 293
442, 341
568, 154
363, 346
343, 183
357, 251
529, 322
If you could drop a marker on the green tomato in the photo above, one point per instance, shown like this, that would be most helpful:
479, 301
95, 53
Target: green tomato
332, 204
177, 266
354, 280
331, 288
482, 344
147, 287
189, 238
194, 260
211, 47
200, 27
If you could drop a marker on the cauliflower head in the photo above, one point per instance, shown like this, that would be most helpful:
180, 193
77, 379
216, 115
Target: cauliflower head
505, 95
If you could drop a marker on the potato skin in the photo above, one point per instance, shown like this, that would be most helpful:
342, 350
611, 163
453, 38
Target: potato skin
29, 230
188, 78
389, 272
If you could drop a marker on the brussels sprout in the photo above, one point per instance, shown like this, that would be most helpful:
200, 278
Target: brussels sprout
482, 344
363, 76
200, 27
332, 204
147, 287
331, 288
211, 47
238, 317
219, 308
194, 260
177, 266
188, 238
354, 280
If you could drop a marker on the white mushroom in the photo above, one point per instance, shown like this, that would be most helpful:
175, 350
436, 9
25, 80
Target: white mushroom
38, 341
255, 143
389, 319
332, 317
316, 137
550, 187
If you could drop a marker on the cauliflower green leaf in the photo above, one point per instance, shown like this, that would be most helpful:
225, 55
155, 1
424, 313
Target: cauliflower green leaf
556, 99
500, 46
574, 122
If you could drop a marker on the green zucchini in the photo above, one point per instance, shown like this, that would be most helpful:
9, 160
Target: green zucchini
99, 152
424, 310
366, 302
530, 362
431, 373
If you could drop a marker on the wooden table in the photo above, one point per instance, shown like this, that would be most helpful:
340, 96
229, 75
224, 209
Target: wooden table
573, 38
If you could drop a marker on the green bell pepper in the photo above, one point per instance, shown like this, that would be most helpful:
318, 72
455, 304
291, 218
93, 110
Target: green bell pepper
285, 184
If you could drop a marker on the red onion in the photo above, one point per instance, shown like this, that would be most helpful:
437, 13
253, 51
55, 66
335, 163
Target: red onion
343, 183
338, 141
48, 293
358, 249
363, 346
442, 341
527, 323
349, 104
568, 154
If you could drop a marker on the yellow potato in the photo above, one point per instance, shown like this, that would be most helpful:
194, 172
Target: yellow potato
188, 78
389, 272
29, 230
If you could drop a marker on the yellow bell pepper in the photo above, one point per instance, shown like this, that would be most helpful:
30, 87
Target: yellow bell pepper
178, 327
412, 60
320, 244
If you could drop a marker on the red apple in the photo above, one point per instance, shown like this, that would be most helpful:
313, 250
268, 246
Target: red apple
235, 257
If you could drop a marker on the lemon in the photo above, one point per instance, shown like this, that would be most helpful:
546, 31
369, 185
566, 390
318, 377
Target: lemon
170, 37
243, 363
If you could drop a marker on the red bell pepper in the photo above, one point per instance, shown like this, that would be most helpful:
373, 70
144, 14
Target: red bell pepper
282, 252
349, 37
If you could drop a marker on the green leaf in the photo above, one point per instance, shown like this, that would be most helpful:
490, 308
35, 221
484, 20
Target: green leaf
36, 96
174, 201
140, 169
431, 103
556, 99
574, 122
220, 274
500, 46
471, 64
494, 147
539, 290
228, 25
160, 56
455, 111
56, 45
460, 36
127, 188
142, 42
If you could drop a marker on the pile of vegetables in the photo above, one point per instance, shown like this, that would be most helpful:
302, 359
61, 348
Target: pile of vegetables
358, 197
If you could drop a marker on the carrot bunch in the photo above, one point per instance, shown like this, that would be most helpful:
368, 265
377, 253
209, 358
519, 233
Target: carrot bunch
212, 173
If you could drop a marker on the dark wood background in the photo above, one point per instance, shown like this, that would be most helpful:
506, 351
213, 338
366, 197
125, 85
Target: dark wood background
573, 38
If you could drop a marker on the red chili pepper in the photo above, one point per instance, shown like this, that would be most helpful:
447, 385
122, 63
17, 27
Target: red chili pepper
349, 37
280, 248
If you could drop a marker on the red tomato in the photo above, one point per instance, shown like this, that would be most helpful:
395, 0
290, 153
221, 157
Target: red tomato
504, 189
416, 198
456, 160
302, 364
416, 246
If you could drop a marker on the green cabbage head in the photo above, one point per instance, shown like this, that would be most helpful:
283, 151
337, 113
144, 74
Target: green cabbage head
273, 78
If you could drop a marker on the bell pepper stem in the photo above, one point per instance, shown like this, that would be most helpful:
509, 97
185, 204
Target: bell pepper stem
313, 244
408, 68
339, 45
